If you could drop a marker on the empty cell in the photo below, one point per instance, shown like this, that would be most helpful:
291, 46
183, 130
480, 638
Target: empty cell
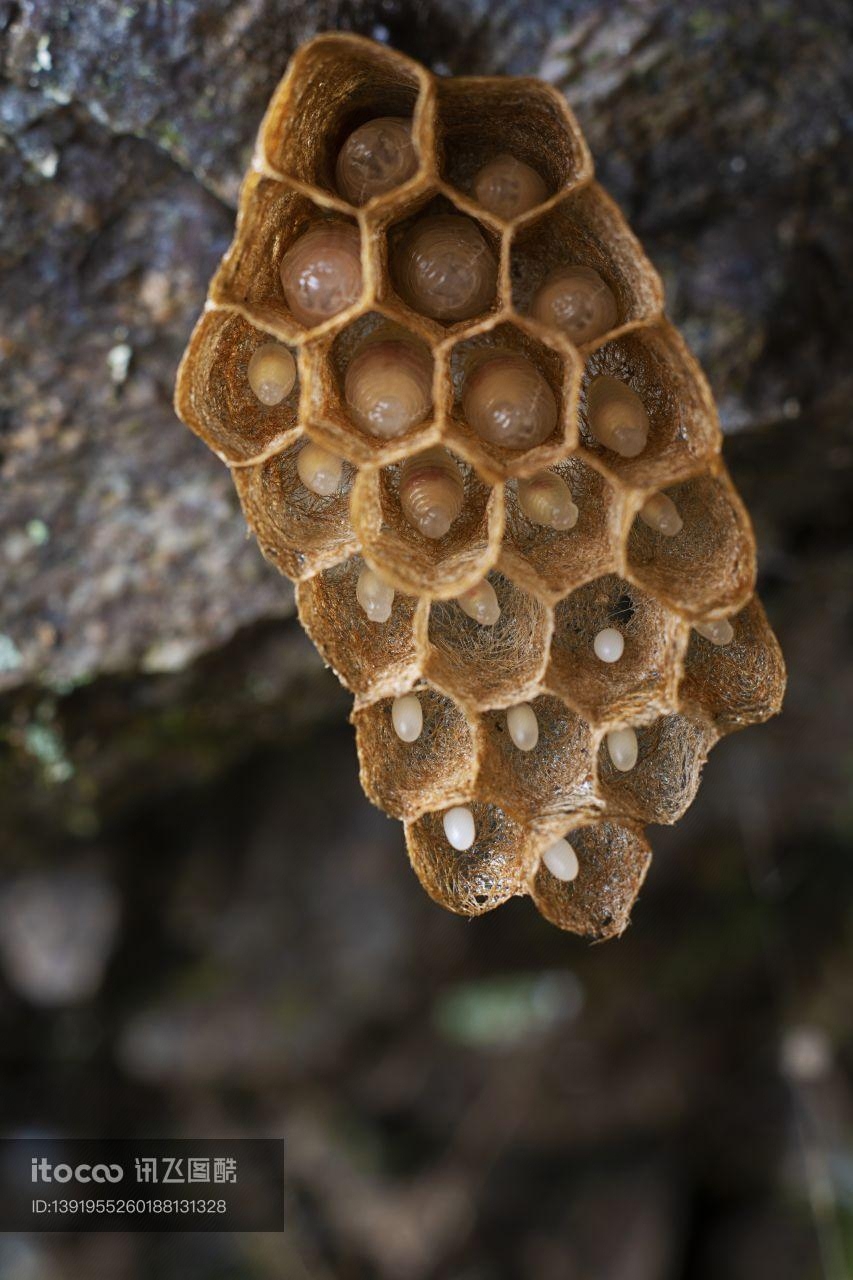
642, 680
664, 780
710, 562
215, 394
612, 863
474, 880
298, 530
405, 778
488, 664
554, 776
329, 92
739, 683
370, 659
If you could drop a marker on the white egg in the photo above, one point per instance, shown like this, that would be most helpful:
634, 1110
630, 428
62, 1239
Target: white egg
523, 726
459, 827
609, 645
623, 749
407, 717
561, 860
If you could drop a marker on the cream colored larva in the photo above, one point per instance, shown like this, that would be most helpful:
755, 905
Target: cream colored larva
321, 272
718, 630
375, 596
546, 499
319, 470
617, 416
507, 401
388, 386
376, 157
445, 269
576, 301
661, 514
507, 187
272, 373
480, 602
432, 491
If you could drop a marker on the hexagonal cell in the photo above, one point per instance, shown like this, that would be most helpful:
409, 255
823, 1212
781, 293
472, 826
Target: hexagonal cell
683, 427
214, 398
408, 778
554, 561
642, 682
612, 863
334, 85
710, 563
299, 531
562, 374
391, 287
409, 560
272, 218
330, 358
478, 879
665, 779
739, 683
373, 659
555, 777
489, 666
479, 120
586, 229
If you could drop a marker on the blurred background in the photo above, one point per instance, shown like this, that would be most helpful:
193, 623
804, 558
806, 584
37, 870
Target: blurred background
204, 927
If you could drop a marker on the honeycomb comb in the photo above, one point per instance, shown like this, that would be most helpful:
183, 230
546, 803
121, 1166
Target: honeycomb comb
619, 740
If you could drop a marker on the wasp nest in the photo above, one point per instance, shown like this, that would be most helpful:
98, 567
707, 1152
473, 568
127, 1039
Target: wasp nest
436, 361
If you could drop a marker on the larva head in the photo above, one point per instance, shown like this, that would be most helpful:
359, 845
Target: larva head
444, 268
376, 157
431, 491
576, 301
321, 272
546, 499
508, 187
617, 416
508, 402
388, 386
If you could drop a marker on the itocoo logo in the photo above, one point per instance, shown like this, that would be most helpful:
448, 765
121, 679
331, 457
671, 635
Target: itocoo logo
44, 1171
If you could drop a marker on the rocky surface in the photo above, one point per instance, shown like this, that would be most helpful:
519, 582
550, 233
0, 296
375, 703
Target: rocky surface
175, 760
